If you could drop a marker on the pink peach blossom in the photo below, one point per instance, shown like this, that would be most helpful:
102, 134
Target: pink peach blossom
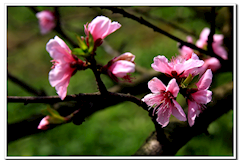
179, 66
121, 66
186, 51
62, 69
200, 97
210, 63
100, 27
44, 123
46, 21
163, 100
218, 49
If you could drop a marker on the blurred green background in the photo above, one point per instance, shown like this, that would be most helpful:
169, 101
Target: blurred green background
118, 130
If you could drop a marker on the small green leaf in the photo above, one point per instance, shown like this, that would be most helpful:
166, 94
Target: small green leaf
192, 84
56, 120
82, 44
79, 52
186, 81
55, 117
91, 43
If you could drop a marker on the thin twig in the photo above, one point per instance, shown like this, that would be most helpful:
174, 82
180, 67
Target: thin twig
156, 29
212, 30
25, 86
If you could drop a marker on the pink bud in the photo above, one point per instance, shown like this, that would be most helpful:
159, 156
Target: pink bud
44, 123
46, 21
121, 66
100, 27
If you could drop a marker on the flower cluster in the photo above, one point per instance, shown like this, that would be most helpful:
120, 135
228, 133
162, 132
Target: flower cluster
183, 72
210, 62
66, 63
189, 75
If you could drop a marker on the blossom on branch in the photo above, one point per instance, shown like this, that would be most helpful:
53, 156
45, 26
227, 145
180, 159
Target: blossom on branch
198, 98
121, 67
162, 99
217, 47
46, 21
177, 67
64, 65
100, 27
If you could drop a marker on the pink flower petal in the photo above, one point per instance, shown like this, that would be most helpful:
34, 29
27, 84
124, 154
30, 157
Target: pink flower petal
156, 85
112, 28
43, 125
220, 51
205, 80
192, 112
188, 65
173, 87
202, 96
160, 64
58, 50
178, 112
121, 68
204, 34
46, 21
163, 116
152, 99
218, 38
101, 26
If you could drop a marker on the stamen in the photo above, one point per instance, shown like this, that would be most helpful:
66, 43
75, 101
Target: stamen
54, 62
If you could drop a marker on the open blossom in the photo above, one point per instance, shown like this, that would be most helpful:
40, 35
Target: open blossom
44, 123
46, 21
178, 67
217, 47
163, 99
198, 98
64, 65
100, 27
121, 66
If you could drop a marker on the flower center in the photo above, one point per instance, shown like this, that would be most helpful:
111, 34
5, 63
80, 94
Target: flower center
54, 62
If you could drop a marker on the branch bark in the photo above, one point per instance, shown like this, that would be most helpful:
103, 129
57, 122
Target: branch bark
156, 29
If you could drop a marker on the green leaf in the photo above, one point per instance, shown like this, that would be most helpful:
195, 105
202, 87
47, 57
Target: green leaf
192, 84
91, 43
82, 44
79, 52
55, 117
187, 81
54, 120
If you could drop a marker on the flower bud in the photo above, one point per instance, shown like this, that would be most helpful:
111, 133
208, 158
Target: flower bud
46, 21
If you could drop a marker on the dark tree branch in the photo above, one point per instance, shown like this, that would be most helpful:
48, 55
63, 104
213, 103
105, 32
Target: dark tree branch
156, 29
212, 30
111, 96
87, 104
59, 30
25, 86
147, 14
